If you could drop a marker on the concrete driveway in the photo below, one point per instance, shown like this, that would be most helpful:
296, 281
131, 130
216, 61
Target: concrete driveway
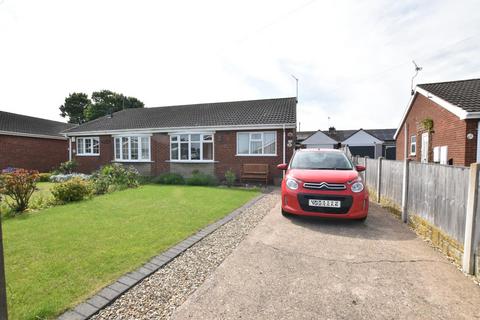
303, 268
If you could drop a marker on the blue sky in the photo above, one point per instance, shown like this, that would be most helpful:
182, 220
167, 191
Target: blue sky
353, 58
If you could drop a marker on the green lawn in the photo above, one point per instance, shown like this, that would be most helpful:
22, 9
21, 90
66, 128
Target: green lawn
59, 256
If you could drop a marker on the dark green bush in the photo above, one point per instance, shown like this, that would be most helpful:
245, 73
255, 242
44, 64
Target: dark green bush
201, 179
44, 177
66, 167
114, 176
230, 177
169, 178
75, 189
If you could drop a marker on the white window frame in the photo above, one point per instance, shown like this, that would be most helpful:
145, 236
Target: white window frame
139, 148
81, 140
250, 154
201, 141
413, 143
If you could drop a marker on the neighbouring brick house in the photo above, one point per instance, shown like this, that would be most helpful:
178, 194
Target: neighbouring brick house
32, 143
441, 123
211, 137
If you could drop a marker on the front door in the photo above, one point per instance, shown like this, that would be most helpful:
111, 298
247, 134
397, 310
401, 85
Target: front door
424, 154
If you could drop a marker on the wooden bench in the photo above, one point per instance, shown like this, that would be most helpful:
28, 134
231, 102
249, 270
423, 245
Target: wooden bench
257, 172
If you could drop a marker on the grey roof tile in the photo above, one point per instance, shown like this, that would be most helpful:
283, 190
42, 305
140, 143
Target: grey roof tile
19, 123
463, 93
235, 113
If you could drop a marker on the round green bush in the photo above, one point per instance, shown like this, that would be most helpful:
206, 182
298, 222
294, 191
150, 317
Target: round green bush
75, 189
169, 178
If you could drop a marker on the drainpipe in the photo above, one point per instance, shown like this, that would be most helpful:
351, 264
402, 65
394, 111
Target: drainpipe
284, 153
69, 149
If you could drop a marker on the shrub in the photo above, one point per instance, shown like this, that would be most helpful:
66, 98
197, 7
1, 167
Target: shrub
67, 167
101, 183
169, 178
201, 179
44, 177
230, 177
19, 186
114, 176
75, 189
66, 177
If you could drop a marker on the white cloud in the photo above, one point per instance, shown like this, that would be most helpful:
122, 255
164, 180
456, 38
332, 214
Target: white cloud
353, 58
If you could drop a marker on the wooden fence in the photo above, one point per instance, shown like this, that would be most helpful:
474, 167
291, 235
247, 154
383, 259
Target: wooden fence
436, 193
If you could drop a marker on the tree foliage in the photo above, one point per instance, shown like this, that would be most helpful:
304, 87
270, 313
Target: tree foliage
79, 108
74, 107
19, 185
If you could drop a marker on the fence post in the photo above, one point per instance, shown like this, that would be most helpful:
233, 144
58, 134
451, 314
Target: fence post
468, 246
406, 175
379, 178
365, 172
356, 159
3, 284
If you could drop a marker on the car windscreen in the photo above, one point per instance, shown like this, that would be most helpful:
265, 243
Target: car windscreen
321, 161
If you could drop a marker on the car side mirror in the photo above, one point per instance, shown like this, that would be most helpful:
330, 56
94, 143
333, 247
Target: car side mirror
282, 166
360, 168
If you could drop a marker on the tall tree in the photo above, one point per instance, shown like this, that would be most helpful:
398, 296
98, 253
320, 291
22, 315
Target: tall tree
106, 101
74, 107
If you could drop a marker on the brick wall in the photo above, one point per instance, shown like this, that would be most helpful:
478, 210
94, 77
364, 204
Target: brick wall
87, 164
448, 130
32, 153
225, 146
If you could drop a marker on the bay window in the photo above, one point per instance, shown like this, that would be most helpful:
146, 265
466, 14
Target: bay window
257, 143
88, 146
191, 147
132, 148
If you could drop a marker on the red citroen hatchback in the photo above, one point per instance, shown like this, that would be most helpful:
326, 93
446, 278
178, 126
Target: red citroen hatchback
323, 183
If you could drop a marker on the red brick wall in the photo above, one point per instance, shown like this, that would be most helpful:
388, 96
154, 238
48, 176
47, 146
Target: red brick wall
448, 130
225, 145
87, 164
32, 153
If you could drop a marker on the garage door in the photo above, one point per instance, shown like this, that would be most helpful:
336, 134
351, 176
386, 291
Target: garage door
363, 151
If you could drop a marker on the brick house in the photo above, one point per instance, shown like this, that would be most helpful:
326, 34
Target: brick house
211, 137
32, 143
441, 123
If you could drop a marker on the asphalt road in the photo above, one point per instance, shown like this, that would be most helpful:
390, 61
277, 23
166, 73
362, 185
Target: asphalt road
304, 268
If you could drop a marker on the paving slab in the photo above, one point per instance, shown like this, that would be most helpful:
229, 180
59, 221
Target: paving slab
307, 268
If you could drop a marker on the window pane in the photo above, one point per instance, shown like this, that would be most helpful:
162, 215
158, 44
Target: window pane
195, 151
207, 151
207, 137
256, 147
145, 148
269, 143
117, 148
184, 151
125, 148
96, 146
174, 151
184, 137
174, 138
88, 145
242, 143
194, 137
80, 146
134, 148
256, 136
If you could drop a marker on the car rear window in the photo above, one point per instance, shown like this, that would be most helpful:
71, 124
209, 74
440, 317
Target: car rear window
321, 161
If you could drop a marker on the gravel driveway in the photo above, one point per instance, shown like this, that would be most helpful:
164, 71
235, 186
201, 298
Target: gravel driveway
158, 295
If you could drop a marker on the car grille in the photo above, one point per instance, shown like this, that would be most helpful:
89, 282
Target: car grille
345, 203
324, 186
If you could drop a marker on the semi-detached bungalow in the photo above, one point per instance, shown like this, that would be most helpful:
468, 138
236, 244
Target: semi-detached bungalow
210, 138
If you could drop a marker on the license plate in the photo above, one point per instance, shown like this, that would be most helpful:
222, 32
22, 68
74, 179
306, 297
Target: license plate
324, 203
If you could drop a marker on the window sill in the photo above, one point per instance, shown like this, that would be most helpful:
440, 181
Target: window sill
133, 161
256, 155
87, 155
191, 161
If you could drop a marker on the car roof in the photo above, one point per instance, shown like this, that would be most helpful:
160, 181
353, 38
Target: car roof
319, 149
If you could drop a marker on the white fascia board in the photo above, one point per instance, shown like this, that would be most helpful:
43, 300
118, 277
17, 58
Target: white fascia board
30, 135
181, 129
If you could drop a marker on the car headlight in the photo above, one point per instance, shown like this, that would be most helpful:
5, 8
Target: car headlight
291, 184
357, 187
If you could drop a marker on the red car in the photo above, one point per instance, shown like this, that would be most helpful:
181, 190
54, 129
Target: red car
323, 183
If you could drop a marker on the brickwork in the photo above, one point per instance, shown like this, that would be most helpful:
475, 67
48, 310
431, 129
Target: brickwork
32, 153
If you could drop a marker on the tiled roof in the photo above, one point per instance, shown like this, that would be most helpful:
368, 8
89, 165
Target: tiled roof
20, 124
236, 113
302, 135
463, 93
342, 135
